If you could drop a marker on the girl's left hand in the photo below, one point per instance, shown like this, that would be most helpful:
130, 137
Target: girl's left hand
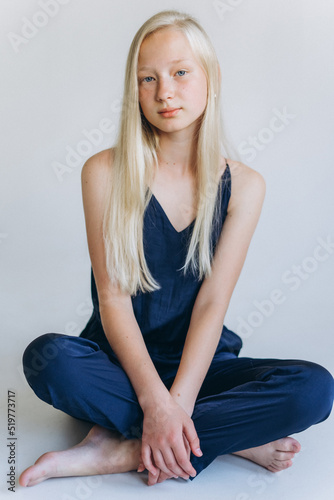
162, 476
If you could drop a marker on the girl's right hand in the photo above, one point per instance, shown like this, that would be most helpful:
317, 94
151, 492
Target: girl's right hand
166, 430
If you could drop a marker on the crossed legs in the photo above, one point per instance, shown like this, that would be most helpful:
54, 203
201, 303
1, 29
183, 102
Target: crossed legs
245, 406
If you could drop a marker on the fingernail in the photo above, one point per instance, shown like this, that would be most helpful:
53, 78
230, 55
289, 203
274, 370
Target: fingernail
199, 451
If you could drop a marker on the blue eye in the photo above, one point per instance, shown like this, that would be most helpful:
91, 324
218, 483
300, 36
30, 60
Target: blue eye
146, 79
181, 71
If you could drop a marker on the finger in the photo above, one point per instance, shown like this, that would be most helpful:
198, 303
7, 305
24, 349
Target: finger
187, 446
160, 478
147, 460
173, 468
152, 479
191, 435
183, 460
141, 467
163, 477
182, 452
165, 461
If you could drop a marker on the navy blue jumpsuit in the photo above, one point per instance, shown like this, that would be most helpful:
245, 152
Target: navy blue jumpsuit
243, 402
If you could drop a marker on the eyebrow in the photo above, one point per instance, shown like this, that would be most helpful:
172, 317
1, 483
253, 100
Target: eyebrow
175, 61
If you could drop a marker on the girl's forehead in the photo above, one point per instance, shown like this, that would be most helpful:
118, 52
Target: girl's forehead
168, 42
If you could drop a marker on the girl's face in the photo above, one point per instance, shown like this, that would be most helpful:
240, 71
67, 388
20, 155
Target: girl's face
170, 78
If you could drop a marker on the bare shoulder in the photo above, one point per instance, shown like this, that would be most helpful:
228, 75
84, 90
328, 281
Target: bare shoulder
95, 179
243, 176
98, 166
247, 185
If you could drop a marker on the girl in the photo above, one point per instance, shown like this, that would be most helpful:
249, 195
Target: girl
169, 221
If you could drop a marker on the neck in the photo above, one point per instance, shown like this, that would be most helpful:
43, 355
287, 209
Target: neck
177, 154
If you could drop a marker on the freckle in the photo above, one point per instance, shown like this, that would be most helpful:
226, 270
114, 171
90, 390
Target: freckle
179, 394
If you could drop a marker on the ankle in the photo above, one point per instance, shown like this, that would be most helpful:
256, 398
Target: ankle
130, 454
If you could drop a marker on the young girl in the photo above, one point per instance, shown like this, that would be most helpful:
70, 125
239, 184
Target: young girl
169, 221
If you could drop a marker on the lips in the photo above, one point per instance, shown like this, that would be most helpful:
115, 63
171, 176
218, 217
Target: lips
167, 112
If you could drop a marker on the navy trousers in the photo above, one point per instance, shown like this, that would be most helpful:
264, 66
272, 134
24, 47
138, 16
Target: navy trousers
243, 402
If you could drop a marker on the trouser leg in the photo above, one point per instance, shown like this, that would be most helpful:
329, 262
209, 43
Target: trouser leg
74, 375
244, 403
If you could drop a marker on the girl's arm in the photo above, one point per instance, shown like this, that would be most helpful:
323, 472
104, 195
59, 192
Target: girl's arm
117, 316
164, 419
244, 208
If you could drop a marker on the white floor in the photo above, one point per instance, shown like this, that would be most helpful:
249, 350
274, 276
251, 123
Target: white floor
41, 428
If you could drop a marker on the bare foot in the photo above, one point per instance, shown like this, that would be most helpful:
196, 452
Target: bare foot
274, 456
101, 452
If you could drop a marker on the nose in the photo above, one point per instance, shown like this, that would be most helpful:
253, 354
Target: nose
165, 89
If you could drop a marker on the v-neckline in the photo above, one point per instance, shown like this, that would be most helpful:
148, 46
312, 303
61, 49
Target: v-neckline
167, 219
165, 215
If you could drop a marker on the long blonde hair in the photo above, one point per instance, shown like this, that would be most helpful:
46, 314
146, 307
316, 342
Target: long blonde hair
134, 158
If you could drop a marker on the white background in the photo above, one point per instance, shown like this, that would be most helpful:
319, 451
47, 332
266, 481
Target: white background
59, 81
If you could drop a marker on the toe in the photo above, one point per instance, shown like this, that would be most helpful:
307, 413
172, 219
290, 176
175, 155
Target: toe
293, 445
29, 477
273, 469
288, 444
281, 464
24, 479
296, 447
284, 455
